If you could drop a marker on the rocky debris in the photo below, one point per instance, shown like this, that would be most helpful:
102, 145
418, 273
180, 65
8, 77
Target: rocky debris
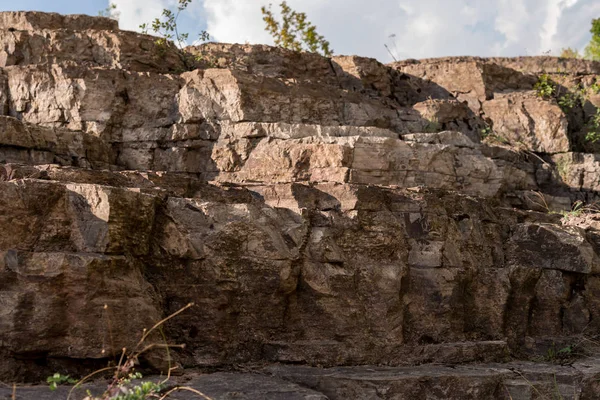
328, 212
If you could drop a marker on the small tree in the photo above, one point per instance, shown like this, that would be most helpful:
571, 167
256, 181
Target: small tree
295, 32
592, 51
166, 28
167, 31
569, 53
110, 12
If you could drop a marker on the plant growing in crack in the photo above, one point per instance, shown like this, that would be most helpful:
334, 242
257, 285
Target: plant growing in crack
569, 100
593, 126
432, 126
167, 30
544, 87
58, 379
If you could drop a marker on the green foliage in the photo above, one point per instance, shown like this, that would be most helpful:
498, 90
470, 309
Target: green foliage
593, 134
595, 88
433, 126
592, 137
569, 53
544, 87
557, 355
294, 32
110, 12
577, 209
489, 136
487, 131
592, 51
57, 379
143, 391
569, 100
562, 167
165, 27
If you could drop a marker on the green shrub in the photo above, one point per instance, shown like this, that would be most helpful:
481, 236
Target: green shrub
569, 100
593, 134
165, 27
544, 87
294, 32
592, 51
57, 379
569, 53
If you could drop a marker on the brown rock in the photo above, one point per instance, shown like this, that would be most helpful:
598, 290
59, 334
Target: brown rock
29, 21
528, 121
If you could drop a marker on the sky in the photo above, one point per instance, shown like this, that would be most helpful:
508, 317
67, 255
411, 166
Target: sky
410, 28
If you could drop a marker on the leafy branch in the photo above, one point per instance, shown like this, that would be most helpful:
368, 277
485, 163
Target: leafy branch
294, 31
167, 30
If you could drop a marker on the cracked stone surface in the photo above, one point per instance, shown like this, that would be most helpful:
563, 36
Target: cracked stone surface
344, 228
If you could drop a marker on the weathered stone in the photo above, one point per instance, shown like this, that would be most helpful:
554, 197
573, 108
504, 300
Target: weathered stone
524, 119
91, 100
23, 143
326, 212
114, 49
28, 21
469, 79
51, 217
551, 247
450, 115
72, 304
268, 61
548, 64
523, 381
363, 160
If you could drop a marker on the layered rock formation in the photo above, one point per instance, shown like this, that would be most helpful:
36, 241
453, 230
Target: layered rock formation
327, 212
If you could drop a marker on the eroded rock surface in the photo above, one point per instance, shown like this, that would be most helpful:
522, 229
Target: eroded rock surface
327, 212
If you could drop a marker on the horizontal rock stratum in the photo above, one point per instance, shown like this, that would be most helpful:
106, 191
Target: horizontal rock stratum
345, 229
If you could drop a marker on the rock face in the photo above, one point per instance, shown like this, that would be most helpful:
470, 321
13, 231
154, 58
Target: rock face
327, 212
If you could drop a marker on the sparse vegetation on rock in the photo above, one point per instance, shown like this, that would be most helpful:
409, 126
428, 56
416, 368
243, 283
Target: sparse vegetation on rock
167, 30
544, 87
294, 31
110, 12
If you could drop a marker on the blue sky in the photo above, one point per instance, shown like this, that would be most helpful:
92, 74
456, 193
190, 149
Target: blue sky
62, 6
422, 28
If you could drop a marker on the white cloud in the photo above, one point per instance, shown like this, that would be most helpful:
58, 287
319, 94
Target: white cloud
428, 28
133, 13
236, 21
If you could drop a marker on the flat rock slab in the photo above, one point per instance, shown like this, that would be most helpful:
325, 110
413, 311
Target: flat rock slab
515, 380
217, 386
